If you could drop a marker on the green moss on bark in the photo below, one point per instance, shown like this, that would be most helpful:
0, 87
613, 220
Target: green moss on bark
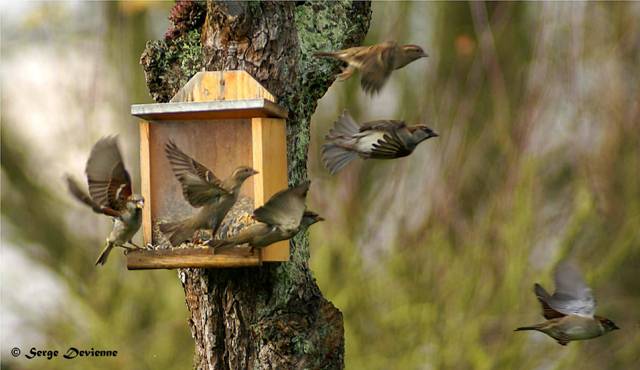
169, 64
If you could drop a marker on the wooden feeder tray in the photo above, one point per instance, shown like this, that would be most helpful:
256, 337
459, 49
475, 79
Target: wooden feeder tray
191, 257
223, 120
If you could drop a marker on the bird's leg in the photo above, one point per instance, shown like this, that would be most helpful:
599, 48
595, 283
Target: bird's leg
346, 73
563, 339
134, 244
199, 239
205, 237
196, 237
127, 248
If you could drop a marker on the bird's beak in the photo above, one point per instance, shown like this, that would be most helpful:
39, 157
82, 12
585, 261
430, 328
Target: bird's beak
255, 172
424, 55
615, 327
140, 205
433, 134
320, 218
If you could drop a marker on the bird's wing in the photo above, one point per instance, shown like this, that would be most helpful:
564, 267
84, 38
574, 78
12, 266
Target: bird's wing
74, 189
548, 312
356, 56
109, 182
572, 296
391, 145
383, 125
285, 208
377, 65
251, 233
199, 185
199, 192
182, 163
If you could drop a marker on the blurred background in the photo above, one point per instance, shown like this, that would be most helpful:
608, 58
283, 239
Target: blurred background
431, 258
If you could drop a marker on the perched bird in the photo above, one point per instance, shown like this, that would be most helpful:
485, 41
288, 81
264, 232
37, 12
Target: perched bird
110, 194
281, 218
202, 189
385, 139
375, 62
570, 310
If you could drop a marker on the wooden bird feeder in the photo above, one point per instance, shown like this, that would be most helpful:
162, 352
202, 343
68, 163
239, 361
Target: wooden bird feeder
224, 120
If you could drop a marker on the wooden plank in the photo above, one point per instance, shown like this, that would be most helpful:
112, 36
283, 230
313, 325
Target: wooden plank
189, 258
246, 108
270, 159
192, 116
222, 85
145, 181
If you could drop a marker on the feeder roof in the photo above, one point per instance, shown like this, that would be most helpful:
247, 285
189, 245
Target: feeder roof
217, 109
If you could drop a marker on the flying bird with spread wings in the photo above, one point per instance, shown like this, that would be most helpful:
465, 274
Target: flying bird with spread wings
281, 218
202, 189
110, 193
384, 139
375, 62
570, 311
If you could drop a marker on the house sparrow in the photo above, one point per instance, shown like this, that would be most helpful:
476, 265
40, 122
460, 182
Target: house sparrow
570, 310
202, 189
375, 62
110, 194
385, 139
281, 218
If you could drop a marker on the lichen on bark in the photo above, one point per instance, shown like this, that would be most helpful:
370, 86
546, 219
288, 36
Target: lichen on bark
169, 64
272, 317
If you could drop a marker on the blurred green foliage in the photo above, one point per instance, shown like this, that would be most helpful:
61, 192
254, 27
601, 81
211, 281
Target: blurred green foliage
141, 315
431, 258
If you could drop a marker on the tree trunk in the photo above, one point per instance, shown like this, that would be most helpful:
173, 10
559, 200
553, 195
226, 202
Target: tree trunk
272, 317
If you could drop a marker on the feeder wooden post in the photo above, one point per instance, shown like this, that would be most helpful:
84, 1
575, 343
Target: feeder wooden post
224, 120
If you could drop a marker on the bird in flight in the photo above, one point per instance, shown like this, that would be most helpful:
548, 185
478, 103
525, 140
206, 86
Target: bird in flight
202, 189
384, 139
110, 193
281, 218
570, 311
375, 62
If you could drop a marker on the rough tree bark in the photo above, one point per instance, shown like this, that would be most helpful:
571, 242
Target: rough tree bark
273, 317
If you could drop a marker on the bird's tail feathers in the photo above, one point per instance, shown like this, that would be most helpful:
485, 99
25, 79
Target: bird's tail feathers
177, 232
344, 126
336, 157
104, 255
168, 228
325, 54
220, 243
523, 328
